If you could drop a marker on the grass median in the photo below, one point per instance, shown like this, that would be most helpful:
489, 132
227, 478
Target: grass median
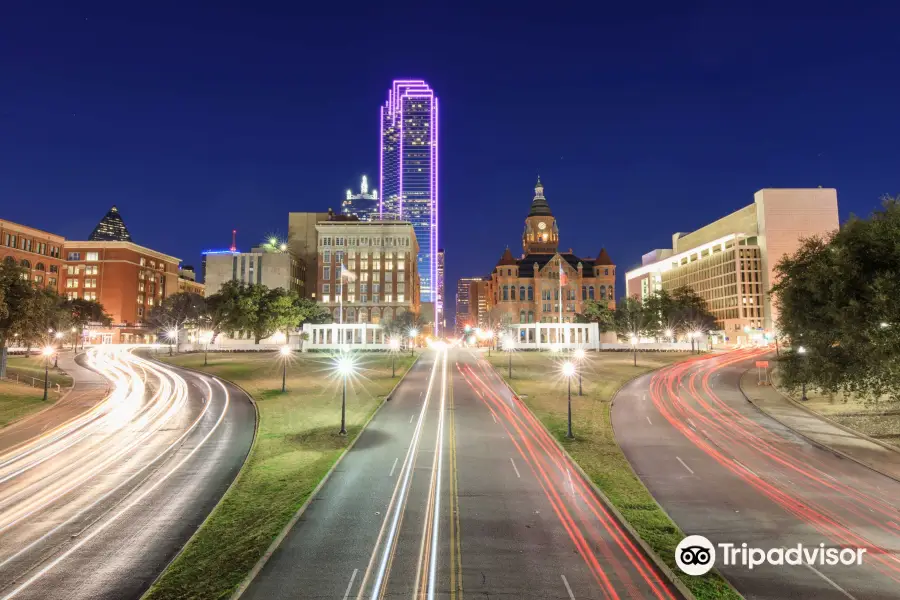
536, 378
18, 400
296, 444
30, 369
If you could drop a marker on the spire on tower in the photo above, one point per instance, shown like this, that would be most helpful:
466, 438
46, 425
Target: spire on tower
364, 188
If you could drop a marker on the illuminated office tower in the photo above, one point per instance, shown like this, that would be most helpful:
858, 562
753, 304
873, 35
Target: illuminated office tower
409, 171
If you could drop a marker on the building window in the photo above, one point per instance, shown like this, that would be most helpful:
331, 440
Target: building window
72, 296
90, 270
75, 256
400, 298
531, 316
363, 288
92, 256
603, 292
51, 281
388, 298
606, 271
54, 269
143, 262
591, 292
388, 276
39, 279
512, 292
521, 316
71, 283
401, 266
140, 311
326, 256
363, 298
530, 294
140, 298
326, 273
584, 292
90, 283
326, 298
90, 295
40, 267
326, 288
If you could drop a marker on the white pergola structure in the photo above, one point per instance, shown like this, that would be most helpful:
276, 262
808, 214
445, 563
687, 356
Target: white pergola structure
336, 336
563, 336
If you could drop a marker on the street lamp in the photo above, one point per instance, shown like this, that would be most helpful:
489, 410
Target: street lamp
172, 334
568, 370
206, 338
508, 348
634, 342
802, 351
48, 351
490, 337
74, 340
345, 367
579, 356
697, 336
413, 332
59, 336
668, 333
285, 351
395, 346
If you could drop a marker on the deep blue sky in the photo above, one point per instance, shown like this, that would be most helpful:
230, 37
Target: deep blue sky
195, 120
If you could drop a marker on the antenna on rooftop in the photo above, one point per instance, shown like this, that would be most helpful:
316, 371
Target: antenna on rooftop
234, 240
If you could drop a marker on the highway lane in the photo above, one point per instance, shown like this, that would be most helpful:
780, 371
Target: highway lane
97, 506
724, 470
453, 490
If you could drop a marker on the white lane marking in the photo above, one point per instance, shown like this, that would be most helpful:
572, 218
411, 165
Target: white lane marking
516, 469
432, 573
836, 586
350, 585
741, 465
649, 421
494, 417
568, 588
411, 417
683, 464
394, 466
571, 483
691, 423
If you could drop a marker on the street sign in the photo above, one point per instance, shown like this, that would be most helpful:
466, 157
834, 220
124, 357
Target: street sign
762, 363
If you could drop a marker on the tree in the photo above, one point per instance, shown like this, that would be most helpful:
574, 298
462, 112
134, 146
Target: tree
223, 309
80, 313
600, 313
402, 323
690, 311
837, 297
630, 317
309, 311
178, 311
25, 313
276, 310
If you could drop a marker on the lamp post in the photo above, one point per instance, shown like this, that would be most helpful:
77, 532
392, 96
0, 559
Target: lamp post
74, 340
59, 337
172, 334
507, 346
47, 352
668, 334
634, 342
568, 370
206, 338
579, 357
802, 351
345, 367
395, 346
490, 337
413, 332
285, 352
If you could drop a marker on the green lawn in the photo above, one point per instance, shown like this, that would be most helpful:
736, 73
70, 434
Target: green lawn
536, 377
33, 366
297, 442
17, 401
878, 419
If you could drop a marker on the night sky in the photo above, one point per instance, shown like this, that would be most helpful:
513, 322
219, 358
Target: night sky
198, 120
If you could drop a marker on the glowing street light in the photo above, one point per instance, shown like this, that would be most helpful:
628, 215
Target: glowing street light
568, 370
47, 352
172, 334
395, 347
634, 342
580, 355
285, 352
413, 332
668, 334
802, 352
345, 367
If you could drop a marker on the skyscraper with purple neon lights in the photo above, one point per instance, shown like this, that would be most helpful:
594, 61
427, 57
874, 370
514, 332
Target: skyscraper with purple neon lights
409, 171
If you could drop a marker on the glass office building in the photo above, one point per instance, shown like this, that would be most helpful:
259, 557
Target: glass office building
409, 171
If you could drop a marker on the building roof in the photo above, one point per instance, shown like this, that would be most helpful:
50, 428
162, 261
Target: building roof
111, 228
539, 206
507, 258
104, 244
603, 258
526, 264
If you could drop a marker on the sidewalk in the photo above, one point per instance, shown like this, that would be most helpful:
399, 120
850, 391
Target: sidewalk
88, 389
819, 429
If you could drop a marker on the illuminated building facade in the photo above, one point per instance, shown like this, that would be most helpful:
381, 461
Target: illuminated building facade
111, 228
409, 171
440, 316
38, 252
363, 205
731, 262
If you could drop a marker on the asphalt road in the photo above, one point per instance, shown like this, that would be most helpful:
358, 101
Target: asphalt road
454, 491
724, 470
98, 504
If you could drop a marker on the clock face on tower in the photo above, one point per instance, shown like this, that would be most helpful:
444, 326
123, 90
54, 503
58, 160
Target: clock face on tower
542, 226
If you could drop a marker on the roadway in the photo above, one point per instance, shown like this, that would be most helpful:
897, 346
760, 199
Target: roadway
99, 501
454, 490
724, 470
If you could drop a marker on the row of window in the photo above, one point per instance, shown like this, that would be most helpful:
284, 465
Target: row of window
363, 275
86, 295
325, 242
352, 254
88, 256
28, 245
364, 298
587, 293
25, 263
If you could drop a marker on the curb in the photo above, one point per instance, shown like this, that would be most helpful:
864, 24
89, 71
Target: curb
231, 485
660, 564
813, 441
290, 524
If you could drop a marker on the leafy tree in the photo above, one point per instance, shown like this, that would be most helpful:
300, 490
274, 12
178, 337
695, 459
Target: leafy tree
690, 311
600, 313
223, 309
179, 311
630, 317
80, 313
25, 314
837, 297
403, 322
309, 311
276, 310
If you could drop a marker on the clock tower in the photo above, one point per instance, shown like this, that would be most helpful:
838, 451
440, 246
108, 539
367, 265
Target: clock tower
541, 235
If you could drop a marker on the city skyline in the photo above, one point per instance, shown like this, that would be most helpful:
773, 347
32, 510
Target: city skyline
165, 144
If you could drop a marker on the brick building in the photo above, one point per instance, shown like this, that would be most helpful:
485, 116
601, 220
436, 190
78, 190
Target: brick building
37, 251
527, 289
